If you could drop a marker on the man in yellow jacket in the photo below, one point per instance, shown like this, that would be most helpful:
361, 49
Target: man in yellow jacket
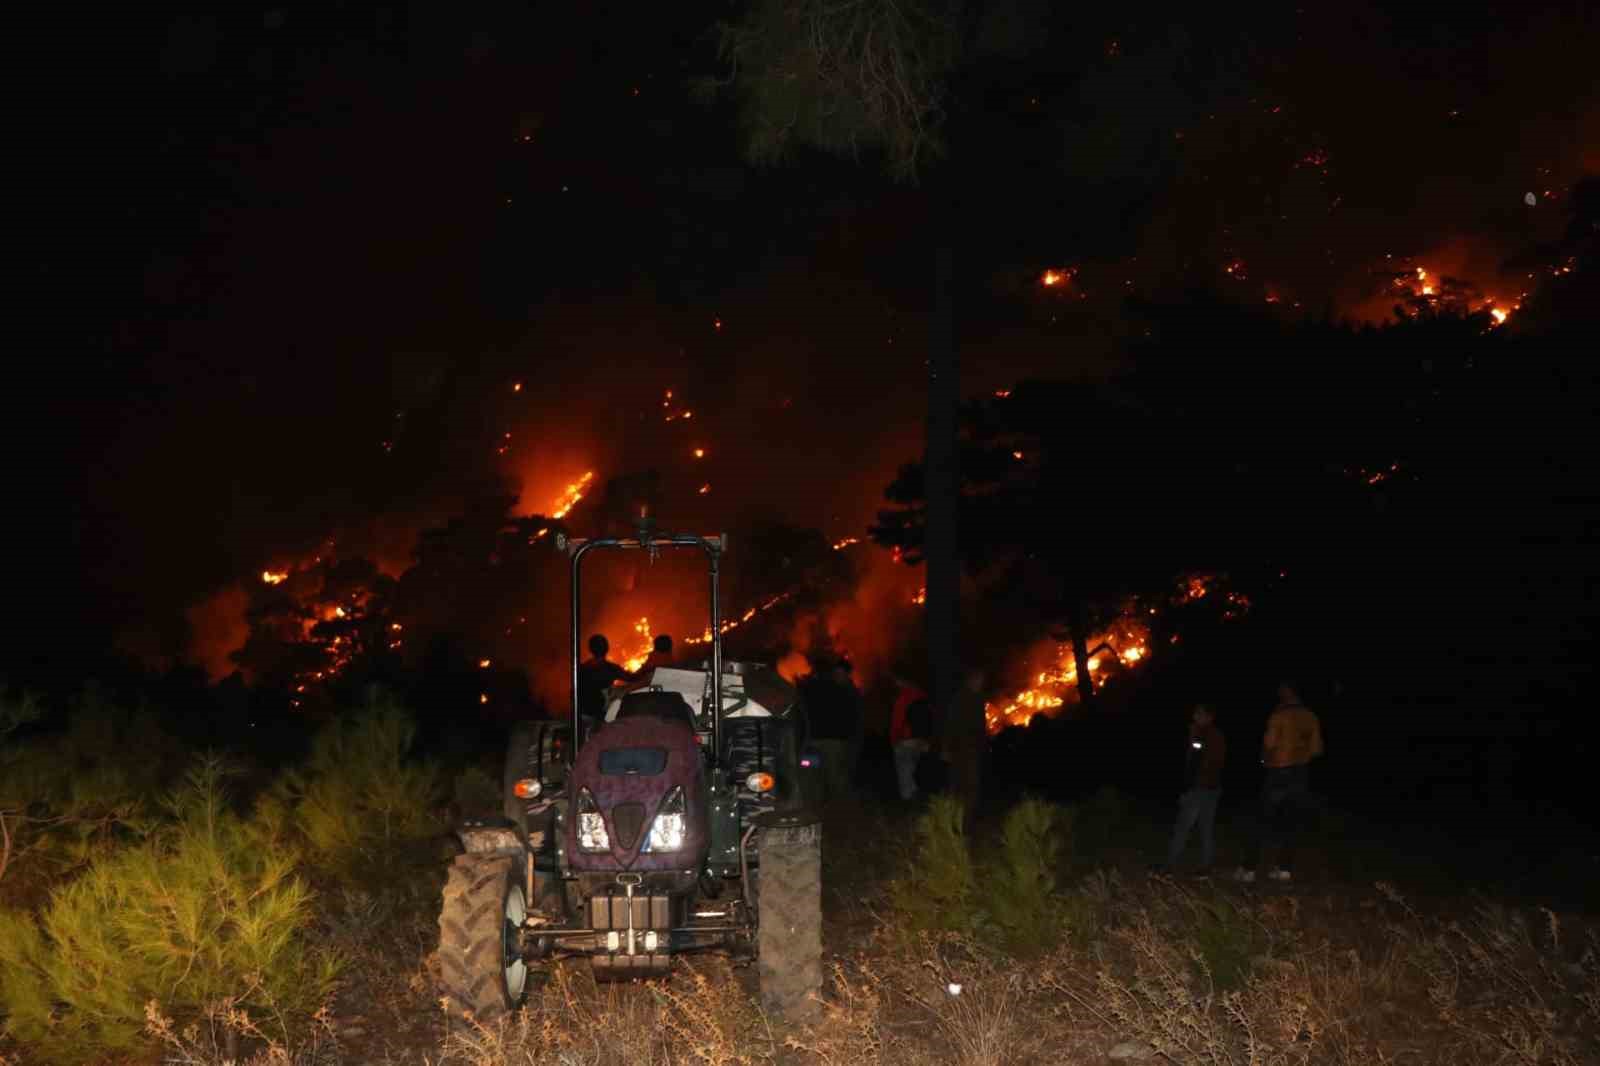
1293, 738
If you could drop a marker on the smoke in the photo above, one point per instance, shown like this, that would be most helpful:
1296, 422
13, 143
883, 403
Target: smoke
217, 629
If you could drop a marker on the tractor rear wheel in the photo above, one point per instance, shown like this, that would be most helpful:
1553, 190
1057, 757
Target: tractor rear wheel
789, 915
480, 939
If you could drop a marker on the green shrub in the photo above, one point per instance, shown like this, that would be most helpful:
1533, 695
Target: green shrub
1023, 900
1227, 941
359, 792
204, 910
1013, 894
939, 888
69, 795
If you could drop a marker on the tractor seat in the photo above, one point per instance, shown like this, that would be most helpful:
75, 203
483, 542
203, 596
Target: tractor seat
656, 703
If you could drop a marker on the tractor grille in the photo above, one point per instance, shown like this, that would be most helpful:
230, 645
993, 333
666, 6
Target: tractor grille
627, 819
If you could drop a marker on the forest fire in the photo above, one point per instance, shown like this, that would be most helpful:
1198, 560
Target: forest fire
1123, 645
570, 497
1435, 292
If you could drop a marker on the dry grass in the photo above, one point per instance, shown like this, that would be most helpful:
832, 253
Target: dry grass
1344, 978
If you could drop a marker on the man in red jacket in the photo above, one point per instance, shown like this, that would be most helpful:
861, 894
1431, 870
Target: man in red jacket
909, 733
1203, 788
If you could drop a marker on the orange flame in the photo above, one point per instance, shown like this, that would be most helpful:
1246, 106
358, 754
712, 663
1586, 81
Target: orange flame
274, 577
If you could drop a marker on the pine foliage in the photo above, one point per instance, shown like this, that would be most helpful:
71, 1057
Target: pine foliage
359, 792
939, 888
1023, 901
207, 908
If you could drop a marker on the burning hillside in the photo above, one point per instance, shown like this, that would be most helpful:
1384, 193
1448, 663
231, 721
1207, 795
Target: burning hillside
1123, 645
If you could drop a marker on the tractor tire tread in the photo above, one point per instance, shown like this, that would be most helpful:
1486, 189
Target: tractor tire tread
470, 965
789, 933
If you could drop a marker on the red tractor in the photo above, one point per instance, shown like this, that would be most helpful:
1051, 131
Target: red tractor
677, 825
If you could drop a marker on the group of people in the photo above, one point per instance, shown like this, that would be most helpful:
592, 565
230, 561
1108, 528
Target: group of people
598, 675
1293, 738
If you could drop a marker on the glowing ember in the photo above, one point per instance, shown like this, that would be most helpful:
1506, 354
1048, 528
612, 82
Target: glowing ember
705, 488
1499, 315
1050, 277
1016, 455
516, 386
274, 577
699, 453
1002, 394
483, 664
483, 697
841, 545
921, 596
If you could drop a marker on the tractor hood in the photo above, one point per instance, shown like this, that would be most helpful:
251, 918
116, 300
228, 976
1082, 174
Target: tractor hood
629, 768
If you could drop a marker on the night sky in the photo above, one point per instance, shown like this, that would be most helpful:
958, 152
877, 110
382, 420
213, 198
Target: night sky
283, 267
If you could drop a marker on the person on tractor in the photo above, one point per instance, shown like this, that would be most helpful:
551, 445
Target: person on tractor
596, 675
660, 655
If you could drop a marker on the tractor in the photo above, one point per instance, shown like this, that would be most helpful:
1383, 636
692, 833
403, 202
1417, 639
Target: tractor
676, 825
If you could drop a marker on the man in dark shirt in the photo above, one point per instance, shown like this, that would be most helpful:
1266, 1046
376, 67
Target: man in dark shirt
660, 655
1202, 787
596, 675
833, 718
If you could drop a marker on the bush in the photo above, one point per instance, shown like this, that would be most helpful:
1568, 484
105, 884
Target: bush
1012, 894
1226, 940
71, 795
940, 885
203, 911
1023, 899
359, 793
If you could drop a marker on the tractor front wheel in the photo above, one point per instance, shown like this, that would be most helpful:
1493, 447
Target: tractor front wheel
480, 938
789, 915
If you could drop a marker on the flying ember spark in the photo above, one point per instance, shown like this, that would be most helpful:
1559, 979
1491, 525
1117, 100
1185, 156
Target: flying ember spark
274, 577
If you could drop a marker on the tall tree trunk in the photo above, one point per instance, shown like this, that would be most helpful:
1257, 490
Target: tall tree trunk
1080, 654
941, 468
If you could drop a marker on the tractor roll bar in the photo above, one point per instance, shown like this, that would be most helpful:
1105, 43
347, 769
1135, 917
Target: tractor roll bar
577, 547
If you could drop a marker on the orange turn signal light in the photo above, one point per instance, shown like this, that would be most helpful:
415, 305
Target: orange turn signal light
527, 789
759, 782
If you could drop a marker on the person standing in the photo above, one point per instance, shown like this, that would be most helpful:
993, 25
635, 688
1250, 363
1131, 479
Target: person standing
1293, 738
910, 730
1197, 806
833, 716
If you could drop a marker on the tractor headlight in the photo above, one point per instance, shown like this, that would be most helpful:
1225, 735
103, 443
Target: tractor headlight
592, 834
670, 824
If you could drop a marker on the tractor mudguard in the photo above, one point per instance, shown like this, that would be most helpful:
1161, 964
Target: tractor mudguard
490, 838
